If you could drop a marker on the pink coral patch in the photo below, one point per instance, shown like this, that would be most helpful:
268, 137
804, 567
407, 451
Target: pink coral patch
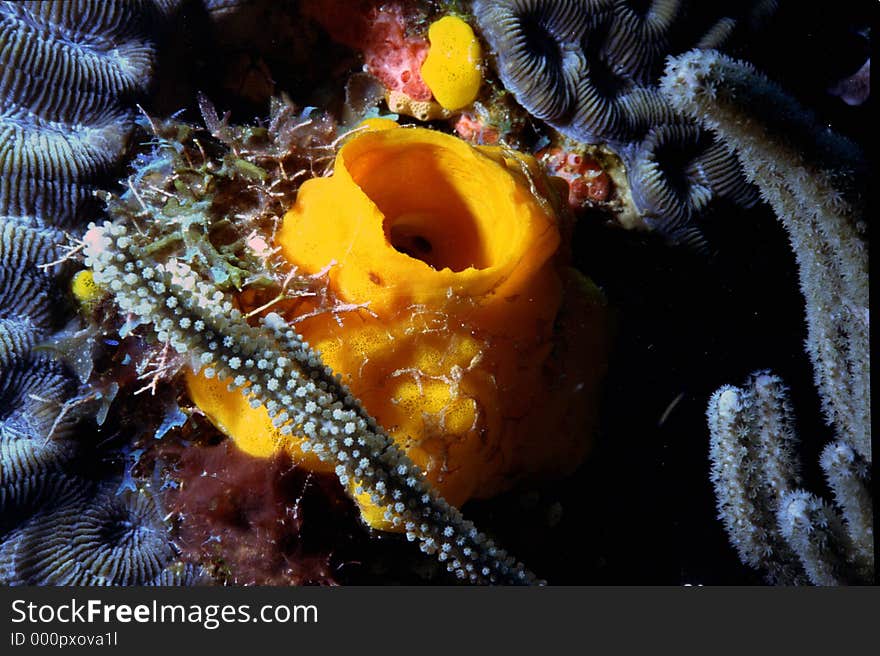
587, 182
378, 31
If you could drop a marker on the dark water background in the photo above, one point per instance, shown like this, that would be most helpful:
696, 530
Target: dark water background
642, 509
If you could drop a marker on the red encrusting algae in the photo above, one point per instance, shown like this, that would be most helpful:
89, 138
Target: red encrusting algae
259, 521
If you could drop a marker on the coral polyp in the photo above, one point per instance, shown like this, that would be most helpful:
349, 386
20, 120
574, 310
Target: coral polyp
678, 170
36, 449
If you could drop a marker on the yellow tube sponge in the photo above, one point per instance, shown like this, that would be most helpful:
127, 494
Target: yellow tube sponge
452, 67
478, 349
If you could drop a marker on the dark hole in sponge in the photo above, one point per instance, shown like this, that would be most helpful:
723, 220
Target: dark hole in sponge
432, 211
448, 241
415, 246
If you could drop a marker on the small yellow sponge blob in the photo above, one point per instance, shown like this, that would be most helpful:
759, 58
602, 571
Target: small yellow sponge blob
84, 288
452, 67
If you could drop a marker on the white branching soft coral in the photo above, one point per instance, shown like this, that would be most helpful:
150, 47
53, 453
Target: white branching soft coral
272, 366
813, 180
793, 535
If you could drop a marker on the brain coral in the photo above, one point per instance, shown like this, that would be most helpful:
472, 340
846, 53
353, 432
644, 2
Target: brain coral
61, 136
70, 74
100, 539
25, 287
36, 451
589, 68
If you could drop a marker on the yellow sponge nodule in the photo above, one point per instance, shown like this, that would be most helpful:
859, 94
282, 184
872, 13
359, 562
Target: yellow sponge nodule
452, 67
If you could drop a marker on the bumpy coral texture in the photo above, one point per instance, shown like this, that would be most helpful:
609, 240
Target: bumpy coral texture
463, 347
